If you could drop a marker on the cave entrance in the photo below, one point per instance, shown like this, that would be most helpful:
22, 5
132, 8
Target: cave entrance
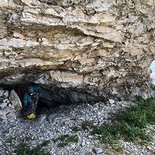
37, 99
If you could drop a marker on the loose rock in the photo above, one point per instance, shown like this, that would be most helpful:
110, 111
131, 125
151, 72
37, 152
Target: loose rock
98, 150
15, 100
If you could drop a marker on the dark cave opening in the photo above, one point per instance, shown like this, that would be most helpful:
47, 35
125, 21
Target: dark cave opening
37, 99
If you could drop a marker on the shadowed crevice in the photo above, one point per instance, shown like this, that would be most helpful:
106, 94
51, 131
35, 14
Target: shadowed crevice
38, 99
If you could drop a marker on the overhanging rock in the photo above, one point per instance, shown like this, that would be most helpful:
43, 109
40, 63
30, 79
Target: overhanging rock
101, 47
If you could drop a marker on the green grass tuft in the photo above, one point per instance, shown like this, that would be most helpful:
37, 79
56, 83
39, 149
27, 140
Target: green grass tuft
87, 125
65, 140
24, 149
129, 124
111, 133
76, 129
139, 116
117, 147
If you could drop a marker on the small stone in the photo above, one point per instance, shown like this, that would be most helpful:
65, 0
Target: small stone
6, 94
90, 136
3, 105
145, 96
42, 118
87, 143
3, 112
83, 143
10, 105
3, 115
111, 101
6, 101
98, 150
2, 92
149, 147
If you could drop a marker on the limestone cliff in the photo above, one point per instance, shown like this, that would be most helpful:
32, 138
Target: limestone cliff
104, 47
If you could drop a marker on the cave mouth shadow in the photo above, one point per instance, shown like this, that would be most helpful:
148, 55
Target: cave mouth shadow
43, 108
53, 97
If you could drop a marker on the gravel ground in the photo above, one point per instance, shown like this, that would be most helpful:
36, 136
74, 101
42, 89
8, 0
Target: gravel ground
61, 121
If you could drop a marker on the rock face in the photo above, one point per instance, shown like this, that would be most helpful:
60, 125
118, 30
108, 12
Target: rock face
104, 47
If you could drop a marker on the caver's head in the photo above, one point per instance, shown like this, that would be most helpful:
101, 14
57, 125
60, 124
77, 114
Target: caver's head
30, 102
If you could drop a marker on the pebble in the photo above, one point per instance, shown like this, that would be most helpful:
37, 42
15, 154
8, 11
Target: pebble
83, 143
6, 100
42, 118
98, 150
2, 92
3, 105
111, 101
6, 94
3, 115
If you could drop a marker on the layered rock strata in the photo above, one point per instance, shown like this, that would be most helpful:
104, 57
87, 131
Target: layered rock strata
103, 47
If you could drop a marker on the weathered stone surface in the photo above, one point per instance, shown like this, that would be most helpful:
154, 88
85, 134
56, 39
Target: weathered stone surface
98, 151
99, 46
15, 100
71, 79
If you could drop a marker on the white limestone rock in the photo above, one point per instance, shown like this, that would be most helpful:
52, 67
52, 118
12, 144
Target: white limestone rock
15, 100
